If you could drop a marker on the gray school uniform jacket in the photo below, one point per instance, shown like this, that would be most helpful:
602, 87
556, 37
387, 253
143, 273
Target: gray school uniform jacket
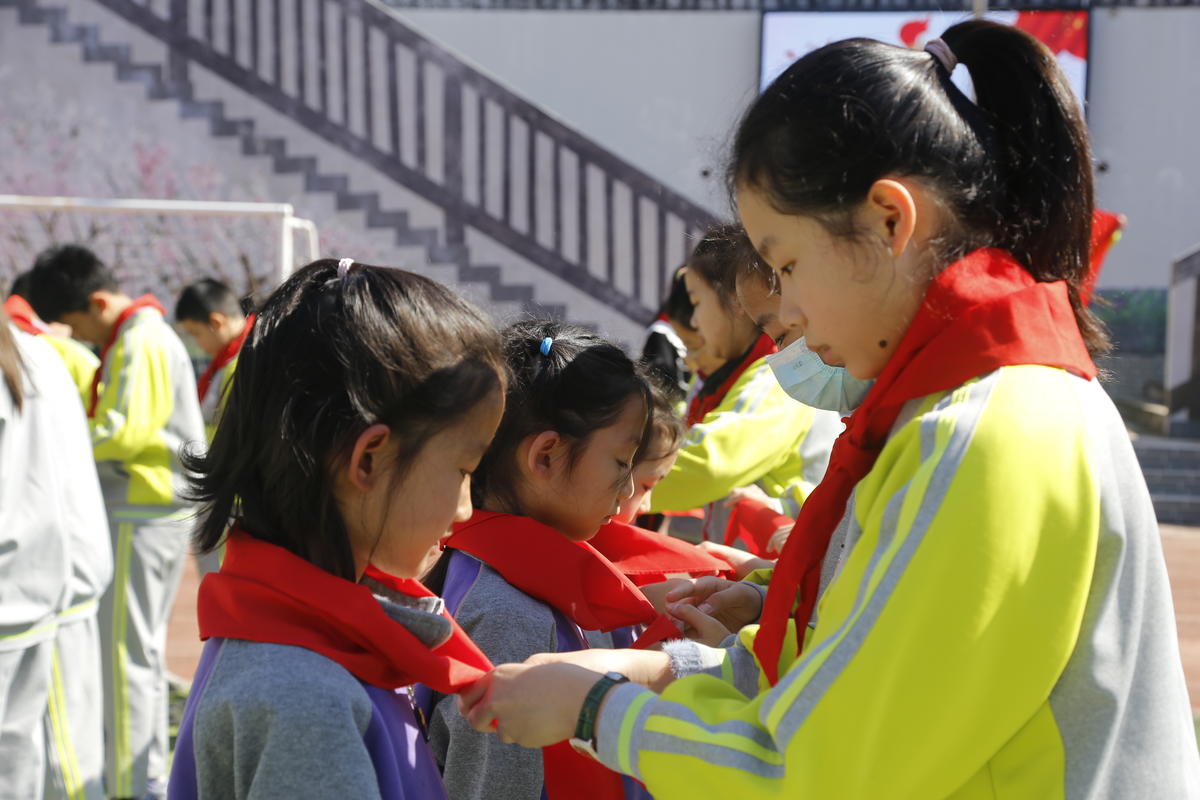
50, 503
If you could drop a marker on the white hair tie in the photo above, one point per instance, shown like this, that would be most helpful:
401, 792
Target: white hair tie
942, 52
344, 266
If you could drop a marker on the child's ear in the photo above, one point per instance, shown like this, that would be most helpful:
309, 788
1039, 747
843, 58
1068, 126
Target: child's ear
891, 212
366, 458
542, 458
216, 320
98, 302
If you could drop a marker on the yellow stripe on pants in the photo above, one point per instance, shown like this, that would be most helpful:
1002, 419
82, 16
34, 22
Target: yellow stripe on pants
64, 746
122, 755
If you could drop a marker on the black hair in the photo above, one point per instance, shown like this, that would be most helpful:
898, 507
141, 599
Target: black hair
20, 285
718, 258
753, 268
581, 386
665, 430
1013, 168
63, 278
10, 362
204, 297
326, 358
678, 306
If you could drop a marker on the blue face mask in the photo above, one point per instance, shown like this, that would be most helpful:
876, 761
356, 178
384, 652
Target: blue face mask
808, 379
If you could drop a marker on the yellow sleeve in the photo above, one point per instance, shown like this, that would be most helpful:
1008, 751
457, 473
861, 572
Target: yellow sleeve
949, 624
81, 364
137, 398
756, 429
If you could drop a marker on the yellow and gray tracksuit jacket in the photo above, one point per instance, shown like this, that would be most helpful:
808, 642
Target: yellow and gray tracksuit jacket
147, 411
756, 435
81, 363
999, 626
214, 400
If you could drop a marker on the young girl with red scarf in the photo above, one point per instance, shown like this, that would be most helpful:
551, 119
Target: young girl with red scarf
742, 429
365, 398
1001, 623
648, 558
520, 576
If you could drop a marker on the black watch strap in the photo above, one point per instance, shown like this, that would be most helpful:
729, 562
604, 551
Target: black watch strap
585, 728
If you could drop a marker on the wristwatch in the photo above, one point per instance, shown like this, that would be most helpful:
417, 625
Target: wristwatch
584, 740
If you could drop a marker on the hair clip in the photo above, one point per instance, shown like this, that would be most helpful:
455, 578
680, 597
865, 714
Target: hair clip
942, 52
547, 343
344, 266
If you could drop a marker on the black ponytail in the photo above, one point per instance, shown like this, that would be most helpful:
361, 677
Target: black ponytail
1042, 156
1012, 169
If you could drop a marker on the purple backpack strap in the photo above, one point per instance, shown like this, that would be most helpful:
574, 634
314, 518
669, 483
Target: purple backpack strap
461, 573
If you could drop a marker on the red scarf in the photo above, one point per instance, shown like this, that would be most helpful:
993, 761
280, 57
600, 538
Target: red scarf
145, 301
265, 593
575, 579
705, 400
1106, 231
227, 354
755, 523
22, 315
646, 557
981, 313
572, 577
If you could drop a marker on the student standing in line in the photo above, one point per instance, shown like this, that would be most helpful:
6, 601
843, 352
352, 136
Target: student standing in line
210, 313
648, 557
365, 398
743, 430
54, 561
520, 576
80, 360
1002, 624
142, 412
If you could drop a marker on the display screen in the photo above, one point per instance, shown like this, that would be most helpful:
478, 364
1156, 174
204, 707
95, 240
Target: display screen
788, 35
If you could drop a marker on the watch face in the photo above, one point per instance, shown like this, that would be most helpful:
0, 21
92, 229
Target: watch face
584, 747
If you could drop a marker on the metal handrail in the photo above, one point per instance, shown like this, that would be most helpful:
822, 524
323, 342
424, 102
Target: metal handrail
352, 73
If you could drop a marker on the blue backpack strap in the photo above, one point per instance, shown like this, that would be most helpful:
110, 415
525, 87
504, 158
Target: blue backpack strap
461, 572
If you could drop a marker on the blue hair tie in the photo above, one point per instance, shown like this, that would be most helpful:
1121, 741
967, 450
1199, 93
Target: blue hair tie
547, 343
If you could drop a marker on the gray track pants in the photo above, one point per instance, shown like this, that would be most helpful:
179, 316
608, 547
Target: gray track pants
24, 685
74, 725
148, 555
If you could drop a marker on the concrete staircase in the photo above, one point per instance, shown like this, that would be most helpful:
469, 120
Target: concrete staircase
483, 282
1172, 470
476, 187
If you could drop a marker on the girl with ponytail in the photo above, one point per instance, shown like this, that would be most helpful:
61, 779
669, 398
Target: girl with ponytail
995, 619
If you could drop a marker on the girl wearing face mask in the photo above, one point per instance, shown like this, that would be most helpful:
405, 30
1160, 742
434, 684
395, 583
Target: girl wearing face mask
743, 429
1002, 624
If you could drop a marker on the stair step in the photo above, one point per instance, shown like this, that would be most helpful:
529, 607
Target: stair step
160, 82
1177, 509
1172, 454
1184, 482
